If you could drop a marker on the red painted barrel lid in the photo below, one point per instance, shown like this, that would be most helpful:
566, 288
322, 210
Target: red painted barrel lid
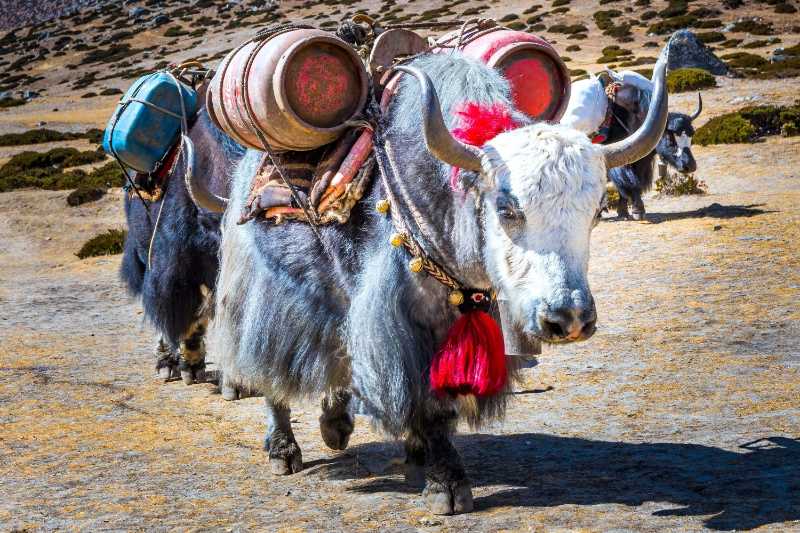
322, 84
539, 79
537, 83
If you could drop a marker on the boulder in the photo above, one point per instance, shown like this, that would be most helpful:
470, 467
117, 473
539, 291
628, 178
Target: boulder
686, 50
159, 20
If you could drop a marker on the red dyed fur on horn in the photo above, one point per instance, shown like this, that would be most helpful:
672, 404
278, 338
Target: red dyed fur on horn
480, 123
472, 359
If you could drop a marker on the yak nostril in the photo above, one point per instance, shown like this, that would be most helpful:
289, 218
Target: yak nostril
556, 324
554, 328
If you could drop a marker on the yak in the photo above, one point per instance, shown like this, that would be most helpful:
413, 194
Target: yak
303, 310
170, 254
674, 149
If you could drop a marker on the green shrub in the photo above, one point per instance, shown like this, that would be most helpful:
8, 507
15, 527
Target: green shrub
573, 48
509, 17
648, 15
731, 43
754, 27
726, 129
604, 19
12, 102
744, 60
559, 3
785, 8
517, 25
674, 184
109, 243
711, 37
175, 31
672, 24
748, 124
85, 194
689, 79
569, 29
707, 23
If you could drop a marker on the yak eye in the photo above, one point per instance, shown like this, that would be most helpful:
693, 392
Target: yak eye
508, 208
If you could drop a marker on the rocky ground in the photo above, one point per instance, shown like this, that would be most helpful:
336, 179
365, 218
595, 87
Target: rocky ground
680, 414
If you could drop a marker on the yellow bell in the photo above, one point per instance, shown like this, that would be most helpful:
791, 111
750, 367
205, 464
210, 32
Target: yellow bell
416, 264
396, 239
456, 298
382, 206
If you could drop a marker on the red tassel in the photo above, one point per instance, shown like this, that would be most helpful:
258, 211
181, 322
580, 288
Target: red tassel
478, 124
472, 359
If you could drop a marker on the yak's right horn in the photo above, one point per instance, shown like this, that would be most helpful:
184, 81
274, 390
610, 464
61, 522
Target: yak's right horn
438, 139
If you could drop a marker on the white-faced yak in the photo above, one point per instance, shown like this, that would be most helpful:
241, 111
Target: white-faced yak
297, 315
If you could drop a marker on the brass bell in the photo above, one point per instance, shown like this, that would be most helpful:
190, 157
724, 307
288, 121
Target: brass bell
382, 206
396, 239
416, 265
456, 297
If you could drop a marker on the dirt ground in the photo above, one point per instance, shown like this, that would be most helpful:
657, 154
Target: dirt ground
680, 414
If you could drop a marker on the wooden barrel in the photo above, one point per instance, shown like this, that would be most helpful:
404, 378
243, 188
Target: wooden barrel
301, 86
539, 78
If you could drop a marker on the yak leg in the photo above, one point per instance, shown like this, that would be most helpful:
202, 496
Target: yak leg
193, 353
415, 461
622, 208
167, 360
335, 422
637, 206
447, 488
284, 453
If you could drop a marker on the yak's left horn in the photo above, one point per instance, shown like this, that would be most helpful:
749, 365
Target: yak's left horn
699, 107
200, 195
438, 139
646, 138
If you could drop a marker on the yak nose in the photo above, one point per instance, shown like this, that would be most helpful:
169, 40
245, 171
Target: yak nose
567, 323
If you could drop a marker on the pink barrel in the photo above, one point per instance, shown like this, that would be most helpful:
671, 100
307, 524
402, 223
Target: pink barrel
302, 86
540, 81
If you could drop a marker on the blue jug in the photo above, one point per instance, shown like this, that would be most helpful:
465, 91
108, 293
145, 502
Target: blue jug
147, 121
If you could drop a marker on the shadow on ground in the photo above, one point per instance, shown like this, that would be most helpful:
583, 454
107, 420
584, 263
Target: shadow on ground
756, 486
714, 210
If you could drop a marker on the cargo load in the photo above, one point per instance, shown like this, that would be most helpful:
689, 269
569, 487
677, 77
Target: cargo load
295, 88
148, 121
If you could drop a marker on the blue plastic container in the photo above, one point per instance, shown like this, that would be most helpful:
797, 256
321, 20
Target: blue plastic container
140, 134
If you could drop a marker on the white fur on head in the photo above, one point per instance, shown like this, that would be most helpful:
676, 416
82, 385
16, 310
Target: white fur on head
539, 260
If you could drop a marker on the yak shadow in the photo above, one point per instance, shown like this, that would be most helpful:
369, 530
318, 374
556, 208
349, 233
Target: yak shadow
756, 486
714, 210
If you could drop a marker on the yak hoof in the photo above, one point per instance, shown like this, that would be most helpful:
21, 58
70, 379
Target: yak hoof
286, 460
336, 431
639, 216
191, 374
229, 393
165, 373
450, 498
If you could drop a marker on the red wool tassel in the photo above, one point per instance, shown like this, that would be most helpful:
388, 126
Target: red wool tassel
480, 123
472, 359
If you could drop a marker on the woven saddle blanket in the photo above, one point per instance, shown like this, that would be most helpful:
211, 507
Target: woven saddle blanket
328, 181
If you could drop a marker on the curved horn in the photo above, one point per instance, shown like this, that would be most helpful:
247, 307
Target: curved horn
644, 139
438, 139
699, 107
201, 196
